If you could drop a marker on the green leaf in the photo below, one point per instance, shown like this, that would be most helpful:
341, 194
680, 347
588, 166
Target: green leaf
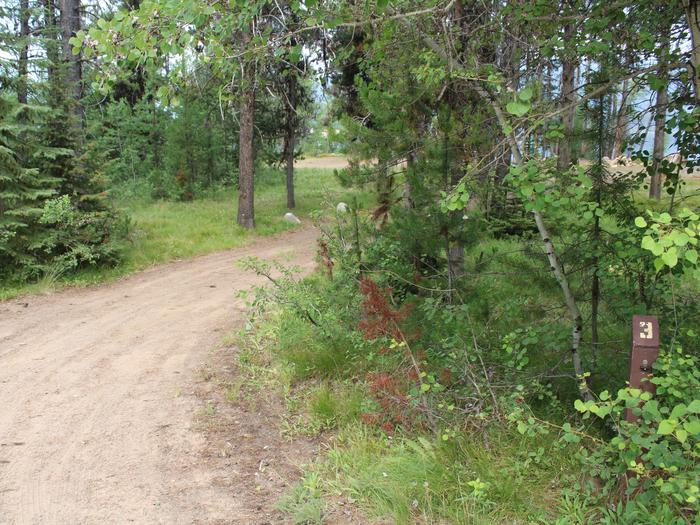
651, 410
657, 83
571, 438
658, 264
517, 108
681, 435
670, 257
666, 427
525, 94
601, 410
692, 426
640, 223
680, 238
694, 407
580, 405
678, 411
691, 256
648, 243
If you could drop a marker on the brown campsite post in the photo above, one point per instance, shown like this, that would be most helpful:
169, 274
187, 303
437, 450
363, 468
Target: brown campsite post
645, 350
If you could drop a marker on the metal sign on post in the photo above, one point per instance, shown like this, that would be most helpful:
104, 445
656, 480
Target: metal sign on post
645, 350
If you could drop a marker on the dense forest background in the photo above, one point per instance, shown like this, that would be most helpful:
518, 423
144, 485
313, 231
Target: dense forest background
523, 181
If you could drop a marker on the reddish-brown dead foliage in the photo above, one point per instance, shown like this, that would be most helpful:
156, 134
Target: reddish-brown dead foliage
390, 390
391, 394
446, 377
326, 260
380, 319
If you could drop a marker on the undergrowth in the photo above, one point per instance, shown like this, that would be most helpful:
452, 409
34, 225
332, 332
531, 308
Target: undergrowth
457, 406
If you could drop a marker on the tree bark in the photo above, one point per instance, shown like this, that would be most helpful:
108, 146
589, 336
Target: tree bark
692, 11
23, 65
598, 194
246, 157
50, 35
659, 134
70, 25
290, 144
568, 97
621, 124
290, 135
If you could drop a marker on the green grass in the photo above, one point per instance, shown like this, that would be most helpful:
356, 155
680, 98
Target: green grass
474, 479
481, 477
164, 231
688, 196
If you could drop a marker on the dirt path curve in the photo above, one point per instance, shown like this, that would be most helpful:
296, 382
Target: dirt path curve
96, 403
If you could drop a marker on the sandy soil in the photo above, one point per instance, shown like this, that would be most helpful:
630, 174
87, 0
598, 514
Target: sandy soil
330, 162
108, 408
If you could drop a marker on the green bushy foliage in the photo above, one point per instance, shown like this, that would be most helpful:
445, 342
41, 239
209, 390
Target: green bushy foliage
42, 230
654, 462
488, 357
22, 193
75, 239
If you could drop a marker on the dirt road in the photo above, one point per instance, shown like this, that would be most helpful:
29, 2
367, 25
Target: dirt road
97, 404
327, 162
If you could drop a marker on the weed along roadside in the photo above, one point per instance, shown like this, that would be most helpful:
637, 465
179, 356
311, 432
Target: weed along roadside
454, 436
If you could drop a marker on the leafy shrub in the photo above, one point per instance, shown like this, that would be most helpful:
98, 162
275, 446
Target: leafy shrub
652, 467
74, 239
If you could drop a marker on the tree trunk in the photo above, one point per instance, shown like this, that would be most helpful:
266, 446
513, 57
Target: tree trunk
23, 51
408, 186
659, 133
154, 134
597, 192
621, 125
290, 135
692, 11
568, 98
50, 35
70, 25
610, 144
455, 263
246, 157
289, 143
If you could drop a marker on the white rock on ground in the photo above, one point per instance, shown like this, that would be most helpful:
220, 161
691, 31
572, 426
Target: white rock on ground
290, 217
341, 207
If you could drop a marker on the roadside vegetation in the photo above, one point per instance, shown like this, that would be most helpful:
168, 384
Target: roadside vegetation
461, 410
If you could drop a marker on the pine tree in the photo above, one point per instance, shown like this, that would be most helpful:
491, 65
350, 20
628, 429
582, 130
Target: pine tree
23, 191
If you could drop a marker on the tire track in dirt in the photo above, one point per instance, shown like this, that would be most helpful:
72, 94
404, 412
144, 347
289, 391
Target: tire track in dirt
97, 395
